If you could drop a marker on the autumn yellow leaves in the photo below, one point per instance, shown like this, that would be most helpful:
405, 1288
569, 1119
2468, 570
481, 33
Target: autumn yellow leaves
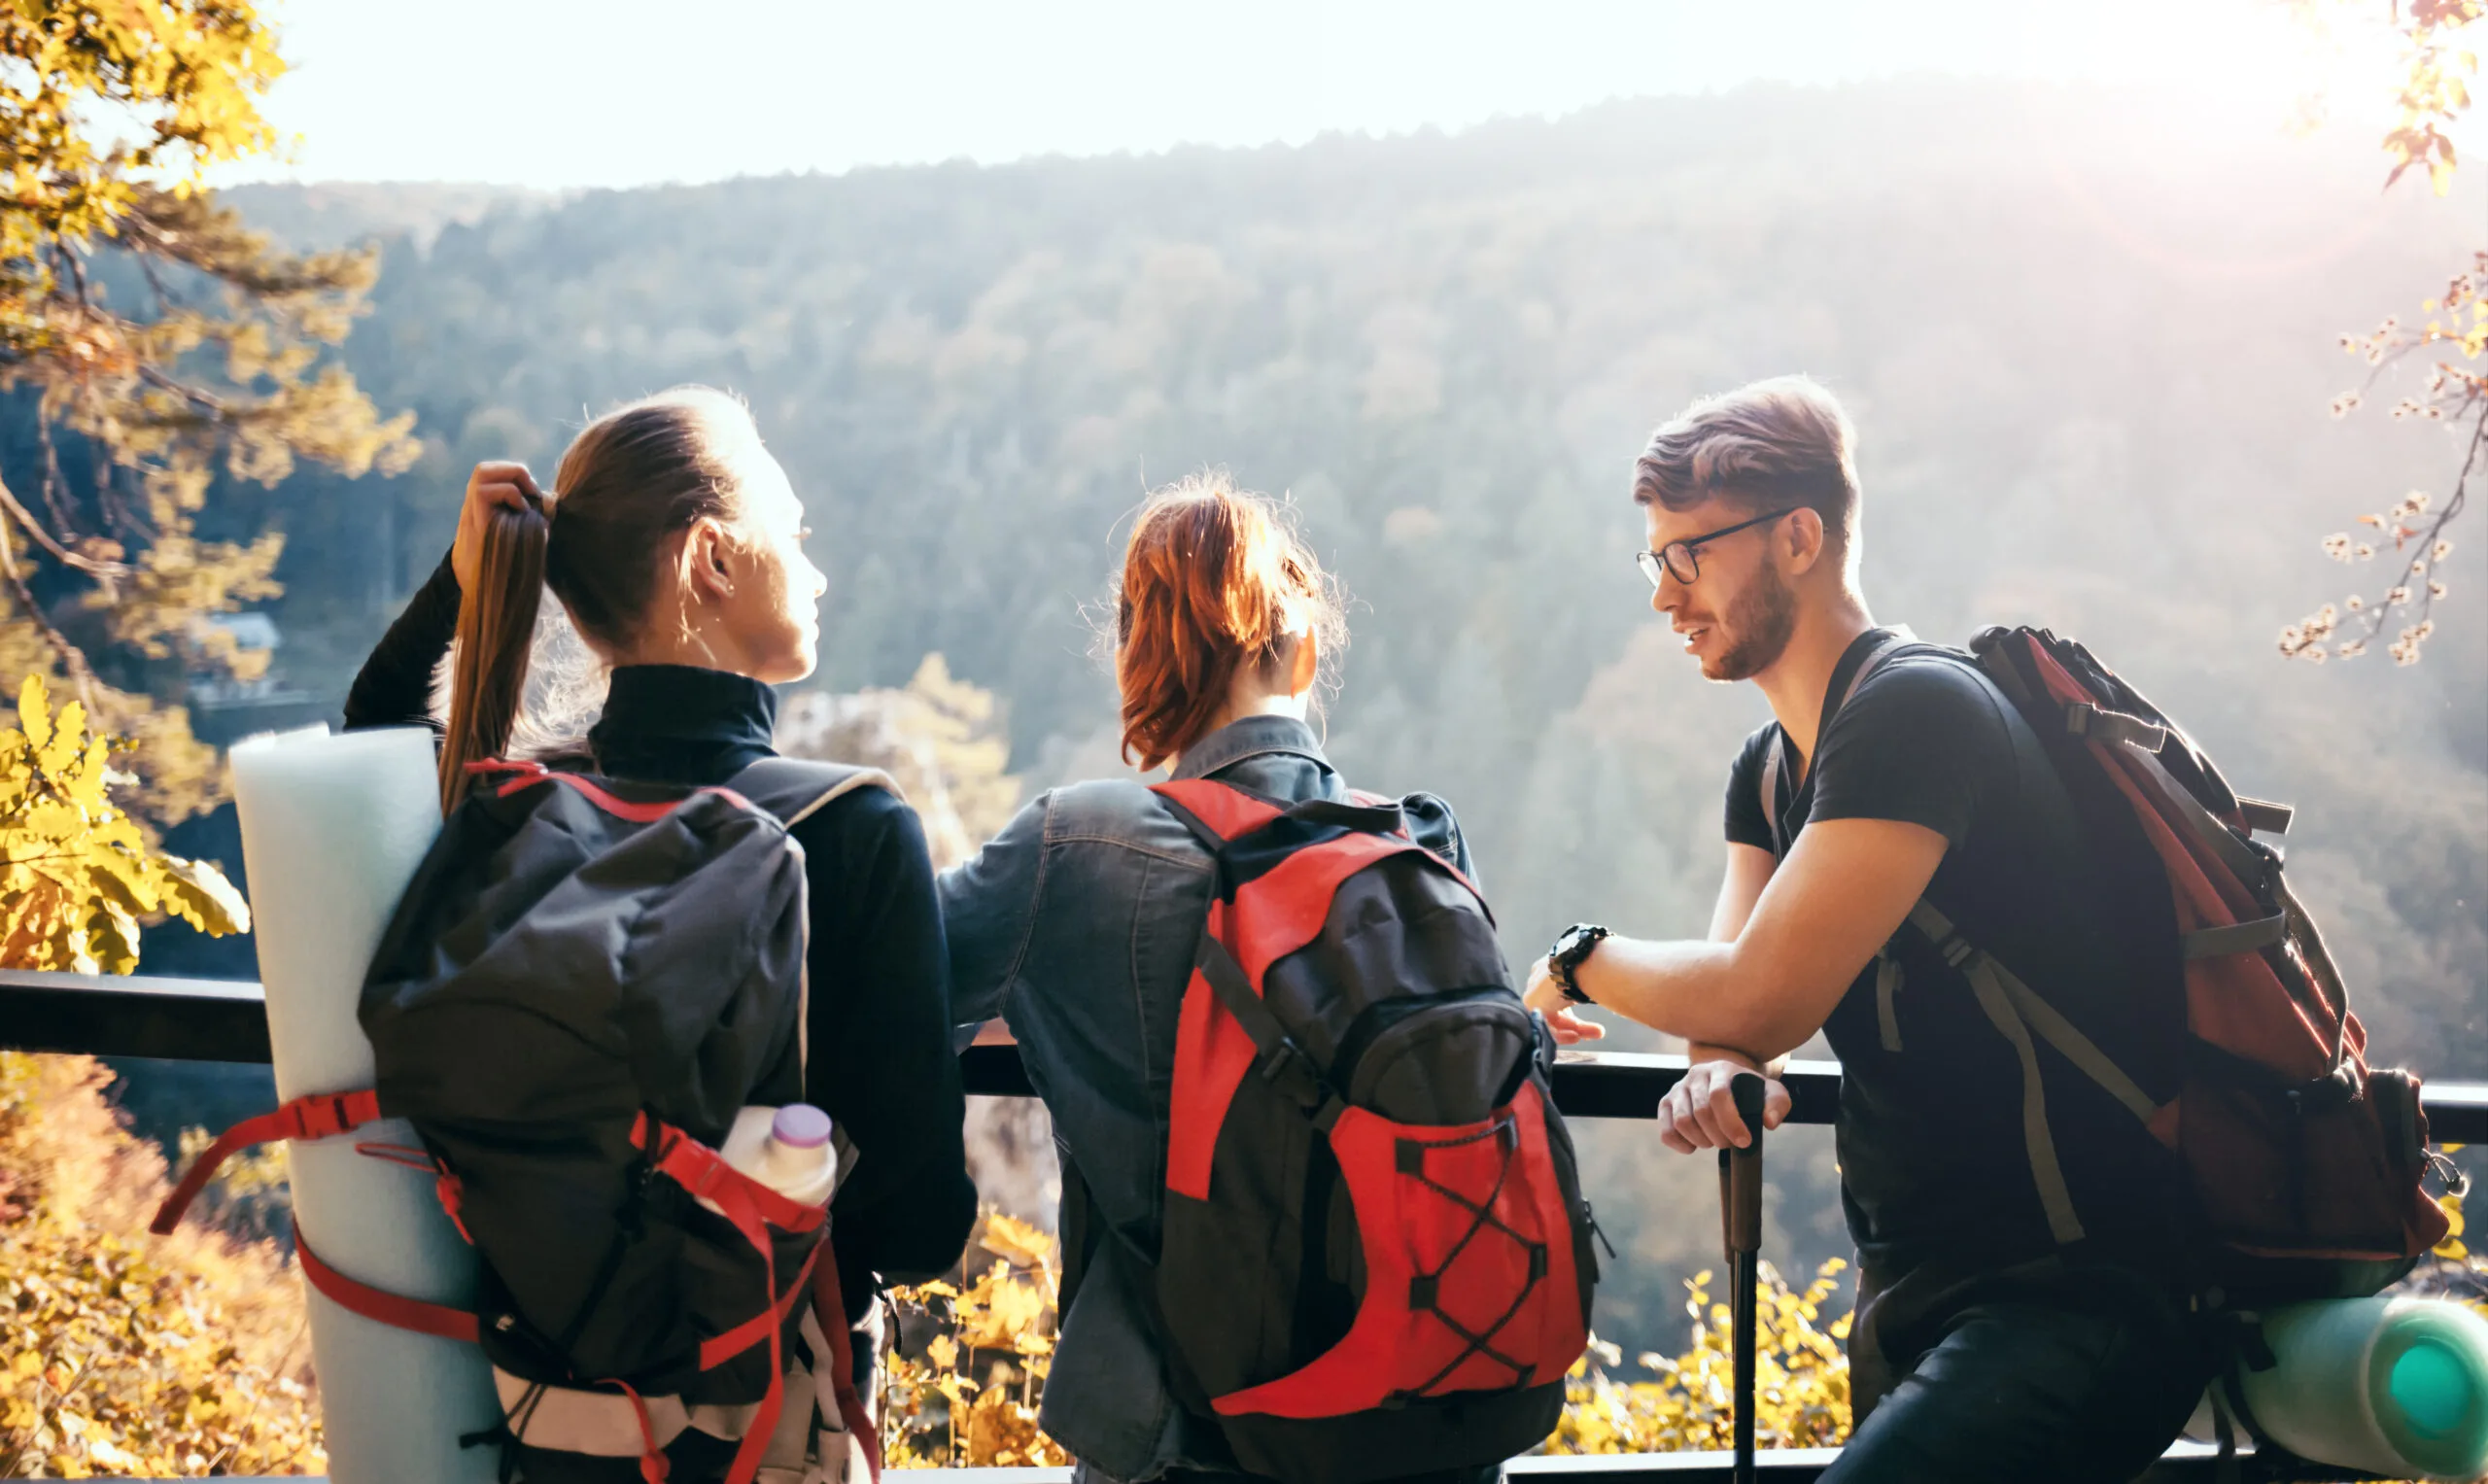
77, 874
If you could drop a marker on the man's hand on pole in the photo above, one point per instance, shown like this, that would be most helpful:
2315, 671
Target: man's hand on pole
1700, 1112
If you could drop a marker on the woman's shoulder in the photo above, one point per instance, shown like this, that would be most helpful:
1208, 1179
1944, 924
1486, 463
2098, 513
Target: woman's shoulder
1432, 823
1429, 810
1114, 811
860, 817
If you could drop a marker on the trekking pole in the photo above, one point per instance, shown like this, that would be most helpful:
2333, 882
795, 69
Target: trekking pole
1741, 1218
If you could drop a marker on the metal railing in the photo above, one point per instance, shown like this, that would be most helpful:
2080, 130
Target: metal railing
207, 1020
196, 1019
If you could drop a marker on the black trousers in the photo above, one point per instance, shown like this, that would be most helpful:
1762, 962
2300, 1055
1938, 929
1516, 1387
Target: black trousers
2042, 1375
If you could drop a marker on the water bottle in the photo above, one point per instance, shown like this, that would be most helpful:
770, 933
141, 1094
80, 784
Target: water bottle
2394, 1386
786, 1149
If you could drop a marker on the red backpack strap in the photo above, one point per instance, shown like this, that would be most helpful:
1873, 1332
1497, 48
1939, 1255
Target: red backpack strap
319, 1115
717, 1350
519, 777
1222, 810
829, 1311
753, 1208
392, 1309
704, 1173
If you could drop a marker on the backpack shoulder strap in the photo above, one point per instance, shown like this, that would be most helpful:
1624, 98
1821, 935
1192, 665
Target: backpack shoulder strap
795, 788
1775, 779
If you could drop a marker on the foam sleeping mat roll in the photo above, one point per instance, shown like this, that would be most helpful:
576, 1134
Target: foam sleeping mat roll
332, 827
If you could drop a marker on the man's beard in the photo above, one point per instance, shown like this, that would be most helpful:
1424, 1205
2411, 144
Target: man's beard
1760, 623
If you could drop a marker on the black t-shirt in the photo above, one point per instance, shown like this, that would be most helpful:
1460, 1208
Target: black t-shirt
1933, 1158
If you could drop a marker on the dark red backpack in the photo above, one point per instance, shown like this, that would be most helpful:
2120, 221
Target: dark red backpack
1376, 1255
2305, 1164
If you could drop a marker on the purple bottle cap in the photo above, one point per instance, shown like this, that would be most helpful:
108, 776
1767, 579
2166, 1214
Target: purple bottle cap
800, 1126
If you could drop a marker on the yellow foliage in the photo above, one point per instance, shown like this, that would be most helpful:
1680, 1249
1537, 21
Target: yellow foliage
115, 112
1801, 1380
77, 874
939, 1410
940, 738
123, 1353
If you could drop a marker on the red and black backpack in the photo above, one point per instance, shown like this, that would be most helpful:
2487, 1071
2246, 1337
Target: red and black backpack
585, 982
1375, 1258
2303, 1165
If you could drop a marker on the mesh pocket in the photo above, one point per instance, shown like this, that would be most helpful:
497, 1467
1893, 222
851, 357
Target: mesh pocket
1469, 1254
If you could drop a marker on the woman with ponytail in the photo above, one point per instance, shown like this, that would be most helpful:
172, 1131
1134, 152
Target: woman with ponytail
672, 542
1076, 926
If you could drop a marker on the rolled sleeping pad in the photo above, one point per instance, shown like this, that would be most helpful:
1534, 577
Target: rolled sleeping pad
2394, 1387
332, 828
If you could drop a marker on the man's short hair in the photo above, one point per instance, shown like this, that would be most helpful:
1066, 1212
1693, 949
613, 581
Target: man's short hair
1775, 444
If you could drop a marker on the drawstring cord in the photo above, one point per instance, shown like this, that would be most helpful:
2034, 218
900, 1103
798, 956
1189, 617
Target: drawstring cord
653, 1465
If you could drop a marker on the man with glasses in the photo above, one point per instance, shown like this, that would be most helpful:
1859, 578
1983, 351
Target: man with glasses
1998, 1335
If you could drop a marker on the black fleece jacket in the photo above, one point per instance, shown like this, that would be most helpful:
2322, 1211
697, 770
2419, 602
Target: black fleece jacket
880, 1030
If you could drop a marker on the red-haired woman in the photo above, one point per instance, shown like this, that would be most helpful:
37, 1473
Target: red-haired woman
1078, 925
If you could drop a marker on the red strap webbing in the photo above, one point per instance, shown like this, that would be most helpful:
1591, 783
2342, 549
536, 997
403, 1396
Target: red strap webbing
829, 1311
527, 774
1229, 812
753, 1208
704, 1172
717, 1350
739, 1207
387, 1308
317, 1116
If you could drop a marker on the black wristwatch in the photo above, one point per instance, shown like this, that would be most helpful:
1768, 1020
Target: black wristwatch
1571, 945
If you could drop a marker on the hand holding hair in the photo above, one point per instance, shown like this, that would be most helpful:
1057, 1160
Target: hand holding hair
501, 483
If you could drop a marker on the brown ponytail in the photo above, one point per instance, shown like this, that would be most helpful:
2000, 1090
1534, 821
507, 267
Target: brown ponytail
630, 483
496, 635
1214, 579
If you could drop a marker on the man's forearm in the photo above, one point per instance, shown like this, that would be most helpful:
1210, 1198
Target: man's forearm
1697, 1052
1689, 989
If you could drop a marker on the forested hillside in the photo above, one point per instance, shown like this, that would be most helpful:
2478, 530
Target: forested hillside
2087, 341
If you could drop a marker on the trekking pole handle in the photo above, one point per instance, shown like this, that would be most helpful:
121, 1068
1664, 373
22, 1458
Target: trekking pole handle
1741, 1169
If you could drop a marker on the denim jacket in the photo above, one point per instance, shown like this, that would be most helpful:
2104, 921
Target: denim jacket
1076, 925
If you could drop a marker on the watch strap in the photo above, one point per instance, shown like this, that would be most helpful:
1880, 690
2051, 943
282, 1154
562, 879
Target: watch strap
1575, 945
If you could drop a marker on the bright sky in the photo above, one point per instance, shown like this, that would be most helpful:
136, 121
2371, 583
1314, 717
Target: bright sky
618, 92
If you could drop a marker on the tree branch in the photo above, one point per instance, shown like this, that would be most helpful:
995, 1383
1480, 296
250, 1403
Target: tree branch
72, 659
43, 538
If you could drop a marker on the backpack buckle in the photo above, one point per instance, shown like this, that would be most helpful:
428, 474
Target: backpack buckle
2098, 724
327, 1115
1286, 1067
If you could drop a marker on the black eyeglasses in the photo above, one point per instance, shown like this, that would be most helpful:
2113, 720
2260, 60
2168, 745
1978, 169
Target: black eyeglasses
1680, 559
